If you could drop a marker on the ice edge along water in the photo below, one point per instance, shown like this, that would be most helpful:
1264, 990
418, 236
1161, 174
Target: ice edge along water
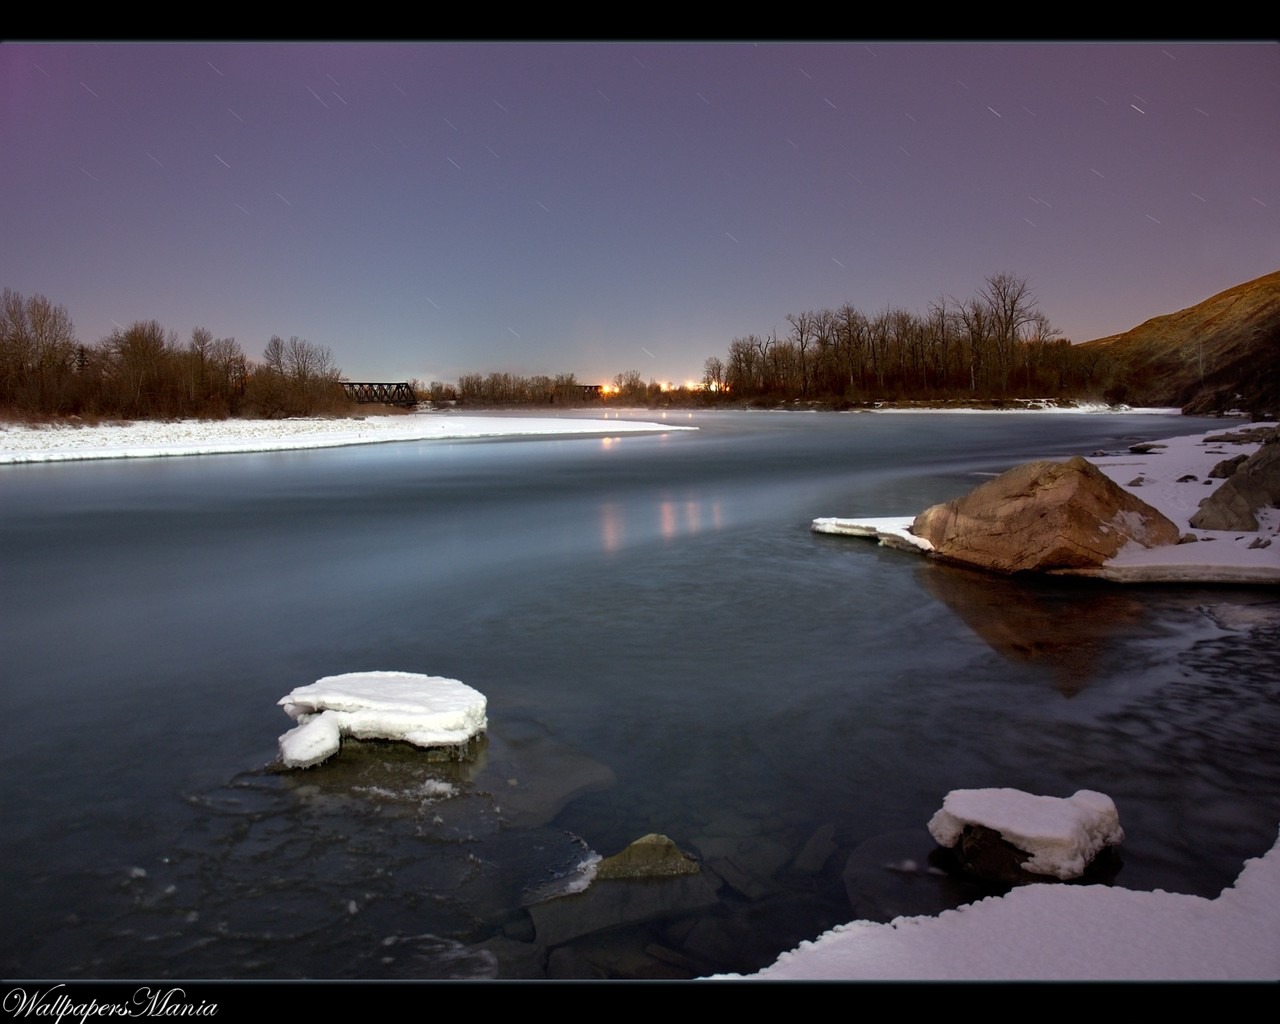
147, 439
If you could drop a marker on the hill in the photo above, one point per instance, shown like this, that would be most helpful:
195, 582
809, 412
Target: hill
1219, 354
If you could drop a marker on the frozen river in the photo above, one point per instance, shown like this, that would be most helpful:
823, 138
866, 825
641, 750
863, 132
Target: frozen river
665, 646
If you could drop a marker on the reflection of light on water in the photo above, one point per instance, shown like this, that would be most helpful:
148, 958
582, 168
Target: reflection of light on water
667, 515
611, 527
692, 515
675, 519
671, 514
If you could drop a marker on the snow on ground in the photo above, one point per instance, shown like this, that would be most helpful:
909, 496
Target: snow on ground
151, 438
1172, 476
1219, 556
1038, 405
1062, 835
427, 711
1063, 932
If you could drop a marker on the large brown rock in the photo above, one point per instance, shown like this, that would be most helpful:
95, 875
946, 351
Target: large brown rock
1043, 517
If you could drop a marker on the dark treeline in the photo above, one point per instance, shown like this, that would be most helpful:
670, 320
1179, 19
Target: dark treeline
994, 345
145, 372
512, 389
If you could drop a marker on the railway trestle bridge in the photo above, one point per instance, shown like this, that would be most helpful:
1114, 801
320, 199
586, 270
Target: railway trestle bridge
370, 392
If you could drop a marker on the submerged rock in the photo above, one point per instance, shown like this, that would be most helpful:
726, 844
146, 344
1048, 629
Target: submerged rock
651, 856
1043, 517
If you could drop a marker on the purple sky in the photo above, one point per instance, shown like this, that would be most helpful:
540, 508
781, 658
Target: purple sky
430, 209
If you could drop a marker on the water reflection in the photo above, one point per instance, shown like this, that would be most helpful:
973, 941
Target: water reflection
686, 517
675, 518
1064, 627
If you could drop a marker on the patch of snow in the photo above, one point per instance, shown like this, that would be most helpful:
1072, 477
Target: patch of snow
1228, 558
1040, 406
427, 711
1062, 835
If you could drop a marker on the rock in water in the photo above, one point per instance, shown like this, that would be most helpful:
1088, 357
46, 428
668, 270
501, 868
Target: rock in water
1012, 837
651, 856
427, 711
1043, 517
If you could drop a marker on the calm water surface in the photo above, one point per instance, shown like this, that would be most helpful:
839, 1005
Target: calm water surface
665, 646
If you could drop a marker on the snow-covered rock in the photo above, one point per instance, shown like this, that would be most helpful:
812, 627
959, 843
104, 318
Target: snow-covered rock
1060, 836
427, 711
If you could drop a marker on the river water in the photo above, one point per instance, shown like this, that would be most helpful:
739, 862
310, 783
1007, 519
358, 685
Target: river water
665, 647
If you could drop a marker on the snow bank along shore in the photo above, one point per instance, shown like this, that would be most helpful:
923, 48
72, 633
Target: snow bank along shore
1047, 932
143, 439
1065, 933
1170, 475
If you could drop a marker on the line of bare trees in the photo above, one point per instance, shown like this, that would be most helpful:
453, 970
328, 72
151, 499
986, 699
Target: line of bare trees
512, 389
143, 371
995, 344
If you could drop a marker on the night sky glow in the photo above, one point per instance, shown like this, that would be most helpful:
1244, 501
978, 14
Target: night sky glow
430, 209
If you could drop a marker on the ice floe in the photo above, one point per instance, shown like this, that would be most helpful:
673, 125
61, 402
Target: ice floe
427, 711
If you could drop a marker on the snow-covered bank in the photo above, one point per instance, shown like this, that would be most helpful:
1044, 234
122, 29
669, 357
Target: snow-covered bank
1172, 476
1057, 932
20, 443
1034, 405
1063, 932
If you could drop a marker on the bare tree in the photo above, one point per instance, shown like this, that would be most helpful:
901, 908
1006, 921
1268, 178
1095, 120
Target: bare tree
713, 374
37, 353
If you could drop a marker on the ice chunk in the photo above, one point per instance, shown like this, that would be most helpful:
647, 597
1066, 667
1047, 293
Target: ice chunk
427, 711
1061, 835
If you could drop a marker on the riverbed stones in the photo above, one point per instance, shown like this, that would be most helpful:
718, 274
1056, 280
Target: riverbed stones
1043, 517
